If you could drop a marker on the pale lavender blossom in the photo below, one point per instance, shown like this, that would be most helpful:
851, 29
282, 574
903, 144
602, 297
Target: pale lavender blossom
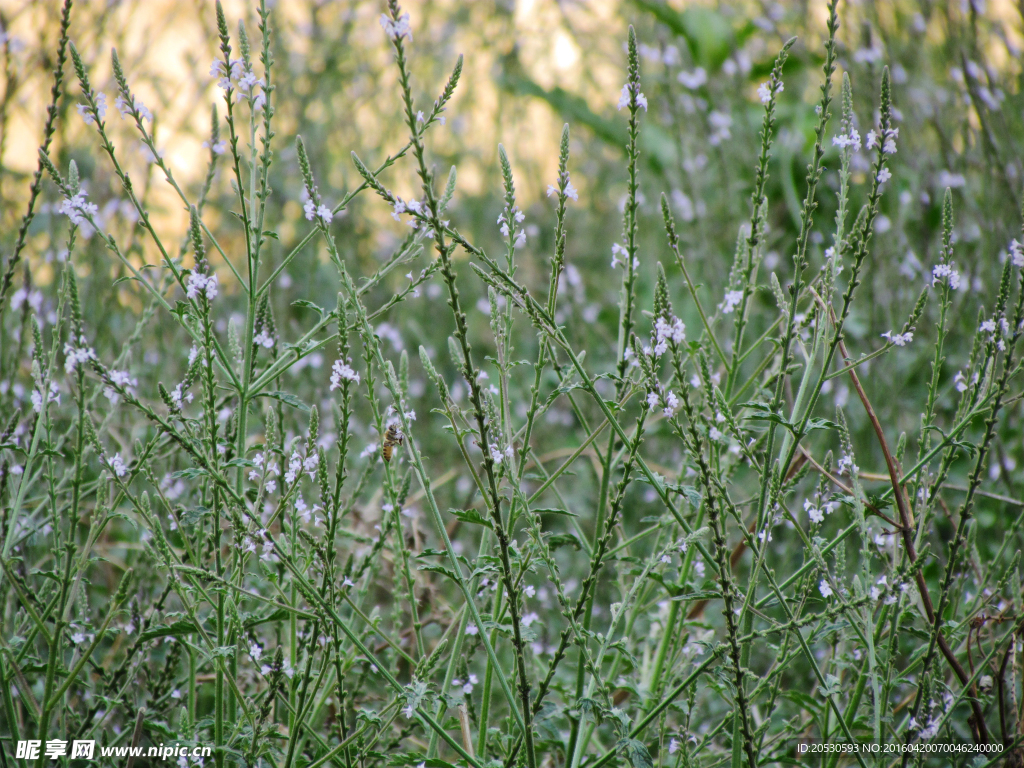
398, 28
693, 80
101, 109
899, 339
731, 301
765, 91
342, 370
125, 108
1016, 253
200, 284
625, 97
77, 209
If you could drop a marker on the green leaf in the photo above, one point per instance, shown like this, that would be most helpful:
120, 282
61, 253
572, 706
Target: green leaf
189, 474
289, 399
180, 628
192, 517
636, 753
547, 511
702, 595
814, 424
562, 539
832, 687
472, 517
441, 569
309, 305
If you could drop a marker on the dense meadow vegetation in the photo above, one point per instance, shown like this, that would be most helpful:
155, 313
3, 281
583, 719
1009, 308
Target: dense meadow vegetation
512, 384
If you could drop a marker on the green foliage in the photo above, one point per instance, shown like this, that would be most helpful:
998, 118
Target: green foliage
599, 519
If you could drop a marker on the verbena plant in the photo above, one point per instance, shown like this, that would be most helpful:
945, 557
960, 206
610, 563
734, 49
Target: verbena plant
691, 569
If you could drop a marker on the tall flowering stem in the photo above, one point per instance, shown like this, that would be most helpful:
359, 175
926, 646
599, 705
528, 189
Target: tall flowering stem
37, 178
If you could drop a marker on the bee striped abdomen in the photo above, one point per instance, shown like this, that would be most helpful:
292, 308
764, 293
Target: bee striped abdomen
392, 437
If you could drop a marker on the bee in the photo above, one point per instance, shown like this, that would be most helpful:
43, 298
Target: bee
392, 437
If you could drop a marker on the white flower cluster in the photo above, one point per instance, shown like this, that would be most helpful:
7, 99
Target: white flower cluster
246, 89
178, 397
731, 301
498, 456
669, 401
816, 512
515, 216
1016, 253
122, 379
845, 465
118, 467
692, 80
101, 109
266, 555
76, 209
899, 339
125, 108
880, 586
218, 148
570, 191
620, 250
990, 327
271, 469
765, 91
225, 78
297, 465
824, 588
627, 93
844, 140
887, 139
308, 515
22, 295
944, 273
467, 687
37, 397
664, 331
77, 355
199, 283
264, 339
961, 383
342, 370
398, 28
414, 207
884, 175
312, 209
719, 123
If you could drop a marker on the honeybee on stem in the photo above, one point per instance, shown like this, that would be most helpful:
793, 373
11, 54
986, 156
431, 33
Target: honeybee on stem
392, 437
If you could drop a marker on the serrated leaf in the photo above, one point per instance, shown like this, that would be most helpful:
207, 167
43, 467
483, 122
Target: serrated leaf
180, 628
636, 752
289, 399
472, 517
309, 305
702, 595
441, 569
192, 517
189, 474
562, 539
551, 511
